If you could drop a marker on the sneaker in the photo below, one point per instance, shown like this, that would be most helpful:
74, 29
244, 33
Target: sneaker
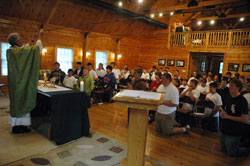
187, 128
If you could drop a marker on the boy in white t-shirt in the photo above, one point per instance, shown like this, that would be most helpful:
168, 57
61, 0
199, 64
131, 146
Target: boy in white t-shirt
145, 75
192, 92
69, 80
215, 98
203, 88
212, 121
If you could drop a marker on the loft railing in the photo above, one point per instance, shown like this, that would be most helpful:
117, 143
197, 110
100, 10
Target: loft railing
211, 39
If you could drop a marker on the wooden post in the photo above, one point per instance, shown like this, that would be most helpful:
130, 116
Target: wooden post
85, 50
117, 50
207, 39
229, 40
169, 33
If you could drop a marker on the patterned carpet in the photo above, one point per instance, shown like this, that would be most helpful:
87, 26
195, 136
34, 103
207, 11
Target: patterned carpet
96, 151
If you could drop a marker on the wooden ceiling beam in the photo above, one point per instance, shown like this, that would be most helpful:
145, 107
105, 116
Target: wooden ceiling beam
200, 27
200, 4
188, 21
226, 26
53, 11
227, 17
235, 25
228, 11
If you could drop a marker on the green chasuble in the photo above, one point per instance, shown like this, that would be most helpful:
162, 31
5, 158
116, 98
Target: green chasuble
23, 73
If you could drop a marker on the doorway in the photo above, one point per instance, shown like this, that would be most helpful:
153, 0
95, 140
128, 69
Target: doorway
203, 63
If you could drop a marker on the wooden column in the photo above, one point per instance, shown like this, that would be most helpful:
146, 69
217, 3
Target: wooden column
169, 33
85, 50
117, 50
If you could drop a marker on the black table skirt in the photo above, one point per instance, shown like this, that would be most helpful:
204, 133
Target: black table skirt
65, 113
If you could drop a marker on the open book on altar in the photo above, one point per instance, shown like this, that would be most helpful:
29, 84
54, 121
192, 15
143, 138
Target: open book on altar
141, 94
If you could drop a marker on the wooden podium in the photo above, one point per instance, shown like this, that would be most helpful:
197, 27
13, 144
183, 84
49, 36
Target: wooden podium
138, 123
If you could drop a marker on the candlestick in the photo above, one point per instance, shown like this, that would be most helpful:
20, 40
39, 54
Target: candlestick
81, 86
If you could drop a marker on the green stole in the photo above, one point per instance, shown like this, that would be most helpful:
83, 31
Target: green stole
23, 74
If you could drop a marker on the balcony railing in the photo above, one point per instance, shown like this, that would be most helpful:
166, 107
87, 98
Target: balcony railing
211, 39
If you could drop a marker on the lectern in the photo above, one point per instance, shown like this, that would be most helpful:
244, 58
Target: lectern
139, 103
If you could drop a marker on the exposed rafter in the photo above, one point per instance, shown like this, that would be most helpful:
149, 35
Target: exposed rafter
123, 12
188, 21
201, 4
227, 17
46, 22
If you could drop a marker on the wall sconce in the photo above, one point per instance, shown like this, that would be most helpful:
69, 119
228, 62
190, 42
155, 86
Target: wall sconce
44, 50
88, 53
81, 53
119, 56
113, 55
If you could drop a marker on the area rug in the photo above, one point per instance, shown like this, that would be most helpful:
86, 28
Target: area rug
99, 150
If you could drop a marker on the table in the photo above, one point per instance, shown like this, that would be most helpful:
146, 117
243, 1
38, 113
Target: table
61, 116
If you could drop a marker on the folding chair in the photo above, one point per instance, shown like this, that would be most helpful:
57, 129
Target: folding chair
1, 87
183, 115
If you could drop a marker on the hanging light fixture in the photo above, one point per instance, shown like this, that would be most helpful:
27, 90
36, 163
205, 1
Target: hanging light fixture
212, 22
160, 14
242, 19
152, 15
120, 3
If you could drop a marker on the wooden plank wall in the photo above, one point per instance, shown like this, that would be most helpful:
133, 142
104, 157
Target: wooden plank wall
239, 58
129, 48
152, 49
96, 43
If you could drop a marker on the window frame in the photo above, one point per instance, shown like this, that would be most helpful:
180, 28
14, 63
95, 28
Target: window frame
222, 67
1, 59
64, 47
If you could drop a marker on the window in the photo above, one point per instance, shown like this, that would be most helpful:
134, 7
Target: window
65, 58
4, 67
221, 68
101, 57
203, 66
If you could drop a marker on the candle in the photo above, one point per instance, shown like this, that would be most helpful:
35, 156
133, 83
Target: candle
81, 86
44, 75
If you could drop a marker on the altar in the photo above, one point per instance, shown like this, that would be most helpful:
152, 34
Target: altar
61, 116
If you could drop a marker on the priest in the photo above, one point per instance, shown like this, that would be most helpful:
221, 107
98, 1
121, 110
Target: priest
23, 73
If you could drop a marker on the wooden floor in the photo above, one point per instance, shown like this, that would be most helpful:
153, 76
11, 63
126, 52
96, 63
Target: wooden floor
185, 149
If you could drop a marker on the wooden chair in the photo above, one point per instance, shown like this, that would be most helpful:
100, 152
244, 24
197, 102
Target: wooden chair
1, 87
